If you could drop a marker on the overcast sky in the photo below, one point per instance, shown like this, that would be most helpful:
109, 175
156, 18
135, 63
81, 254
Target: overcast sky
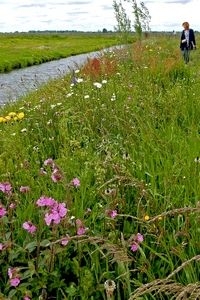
92, 15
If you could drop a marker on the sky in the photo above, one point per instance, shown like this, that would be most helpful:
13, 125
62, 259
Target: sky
92, 15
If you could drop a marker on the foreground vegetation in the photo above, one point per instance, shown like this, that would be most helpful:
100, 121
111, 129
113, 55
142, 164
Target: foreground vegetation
100, 181
20, 50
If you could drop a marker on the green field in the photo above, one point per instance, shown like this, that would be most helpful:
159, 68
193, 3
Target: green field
100, 180
20, 50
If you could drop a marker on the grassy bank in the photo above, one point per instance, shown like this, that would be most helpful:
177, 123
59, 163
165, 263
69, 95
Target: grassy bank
24, 49
100, 181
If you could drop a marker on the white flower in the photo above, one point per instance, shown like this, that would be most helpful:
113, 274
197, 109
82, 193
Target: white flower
77, 71
69, 95
86, 97
97, 84
79, 80
104, 81
113, 98
23, 130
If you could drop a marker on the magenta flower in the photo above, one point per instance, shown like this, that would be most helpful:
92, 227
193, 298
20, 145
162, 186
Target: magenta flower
28, 226
14, 277
15, 281
134, 247
76, 182
5, 187
3, 211
81, 230
139, 238
112, 213
24, 189
45, 201
57, 212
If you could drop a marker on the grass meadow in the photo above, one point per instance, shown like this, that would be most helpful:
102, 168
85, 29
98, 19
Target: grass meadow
100, 180
19, 50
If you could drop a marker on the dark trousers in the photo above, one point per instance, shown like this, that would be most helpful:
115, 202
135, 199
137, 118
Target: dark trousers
186, 55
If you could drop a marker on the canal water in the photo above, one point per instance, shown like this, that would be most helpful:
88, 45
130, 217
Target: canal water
18, 83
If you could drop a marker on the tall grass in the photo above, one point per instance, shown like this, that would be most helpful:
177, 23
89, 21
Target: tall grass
117, 144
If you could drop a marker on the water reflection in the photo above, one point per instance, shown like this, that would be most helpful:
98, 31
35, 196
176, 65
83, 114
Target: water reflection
20, 82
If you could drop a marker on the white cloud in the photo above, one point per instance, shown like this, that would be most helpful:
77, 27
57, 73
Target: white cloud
91, 15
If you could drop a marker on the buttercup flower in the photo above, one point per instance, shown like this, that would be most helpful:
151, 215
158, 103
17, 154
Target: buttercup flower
20, 116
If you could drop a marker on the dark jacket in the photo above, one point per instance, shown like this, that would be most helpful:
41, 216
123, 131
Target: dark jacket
192, 42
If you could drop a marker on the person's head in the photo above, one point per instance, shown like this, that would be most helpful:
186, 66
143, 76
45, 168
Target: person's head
185, 25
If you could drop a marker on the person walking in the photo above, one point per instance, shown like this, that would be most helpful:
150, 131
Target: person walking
188, 41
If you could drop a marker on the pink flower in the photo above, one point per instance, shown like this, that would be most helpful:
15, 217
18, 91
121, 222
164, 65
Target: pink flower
56, 213
12, 205
14, 277
28, 226
56, 175
1, 246
5, 187
112, 213
76, 182
2, 211
26, 298
15, 281
24, 189
49, 162
45, 201
65, 241
134, 247
139, 238
81, 229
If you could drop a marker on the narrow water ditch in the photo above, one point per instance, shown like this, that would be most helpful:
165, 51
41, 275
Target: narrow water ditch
20, 82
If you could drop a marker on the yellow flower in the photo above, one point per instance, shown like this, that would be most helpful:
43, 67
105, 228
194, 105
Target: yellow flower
2, 120
146, 218
8, 118
12, 114
20, 116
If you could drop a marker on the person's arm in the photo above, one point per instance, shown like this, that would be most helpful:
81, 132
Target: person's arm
193, 40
